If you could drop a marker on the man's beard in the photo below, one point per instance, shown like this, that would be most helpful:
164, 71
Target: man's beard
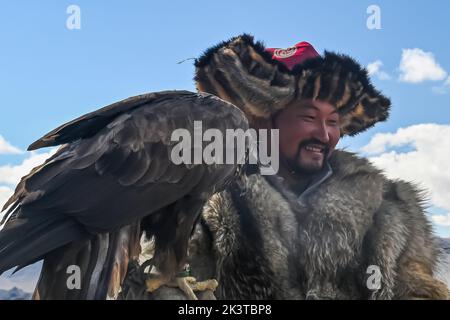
300, 168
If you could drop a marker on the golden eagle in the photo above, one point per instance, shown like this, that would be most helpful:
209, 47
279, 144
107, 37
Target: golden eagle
85, 204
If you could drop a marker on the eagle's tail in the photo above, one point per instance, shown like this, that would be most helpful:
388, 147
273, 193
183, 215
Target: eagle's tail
26, 240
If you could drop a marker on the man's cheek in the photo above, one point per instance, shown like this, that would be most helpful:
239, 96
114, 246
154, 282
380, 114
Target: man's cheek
289, 146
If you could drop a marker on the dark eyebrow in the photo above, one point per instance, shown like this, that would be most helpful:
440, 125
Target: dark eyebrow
310, 106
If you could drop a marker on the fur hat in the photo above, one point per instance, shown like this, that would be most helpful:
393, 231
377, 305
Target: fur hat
263, 81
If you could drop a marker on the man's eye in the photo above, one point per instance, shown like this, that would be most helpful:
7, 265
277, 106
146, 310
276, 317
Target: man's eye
309, 118
332, 122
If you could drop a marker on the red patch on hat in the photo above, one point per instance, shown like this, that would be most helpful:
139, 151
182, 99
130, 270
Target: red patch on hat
295, 55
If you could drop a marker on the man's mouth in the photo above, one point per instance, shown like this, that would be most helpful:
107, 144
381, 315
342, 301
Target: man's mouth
315, 149
311, 156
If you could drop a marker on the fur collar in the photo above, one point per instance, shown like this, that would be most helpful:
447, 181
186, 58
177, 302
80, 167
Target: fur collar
313, 235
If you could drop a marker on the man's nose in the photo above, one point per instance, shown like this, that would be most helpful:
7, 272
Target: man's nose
321, 133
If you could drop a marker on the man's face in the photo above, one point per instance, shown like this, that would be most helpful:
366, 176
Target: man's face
309, 132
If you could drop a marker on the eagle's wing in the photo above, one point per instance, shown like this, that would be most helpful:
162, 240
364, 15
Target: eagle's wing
113, 169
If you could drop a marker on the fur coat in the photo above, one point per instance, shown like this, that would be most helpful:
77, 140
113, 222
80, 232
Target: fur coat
261, 241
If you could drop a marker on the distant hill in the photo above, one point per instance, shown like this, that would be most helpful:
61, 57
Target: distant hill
445, 244
14, 294
24, 279
443, 272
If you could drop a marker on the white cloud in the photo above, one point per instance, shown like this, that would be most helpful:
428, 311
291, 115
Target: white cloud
443, 89
11, 174
7, 148
442, 220
425, 163
417, 66
374, 69
5, 193
440, 90
447, 82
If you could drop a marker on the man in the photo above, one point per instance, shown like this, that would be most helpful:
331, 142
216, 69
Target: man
329, 225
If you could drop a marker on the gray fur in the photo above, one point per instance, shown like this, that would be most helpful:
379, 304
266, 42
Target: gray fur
321, 245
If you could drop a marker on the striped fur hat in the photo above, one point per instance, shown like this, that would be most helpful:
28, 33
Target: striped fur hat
263, 81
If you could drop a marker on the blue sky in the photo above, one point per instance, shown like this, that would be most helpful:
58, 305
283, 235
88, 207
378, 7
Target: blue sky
50, 74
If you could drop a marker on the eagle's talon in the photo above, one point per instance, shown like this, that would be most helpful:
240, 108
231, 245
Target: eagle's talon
189, 284
183, 281
155, 282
